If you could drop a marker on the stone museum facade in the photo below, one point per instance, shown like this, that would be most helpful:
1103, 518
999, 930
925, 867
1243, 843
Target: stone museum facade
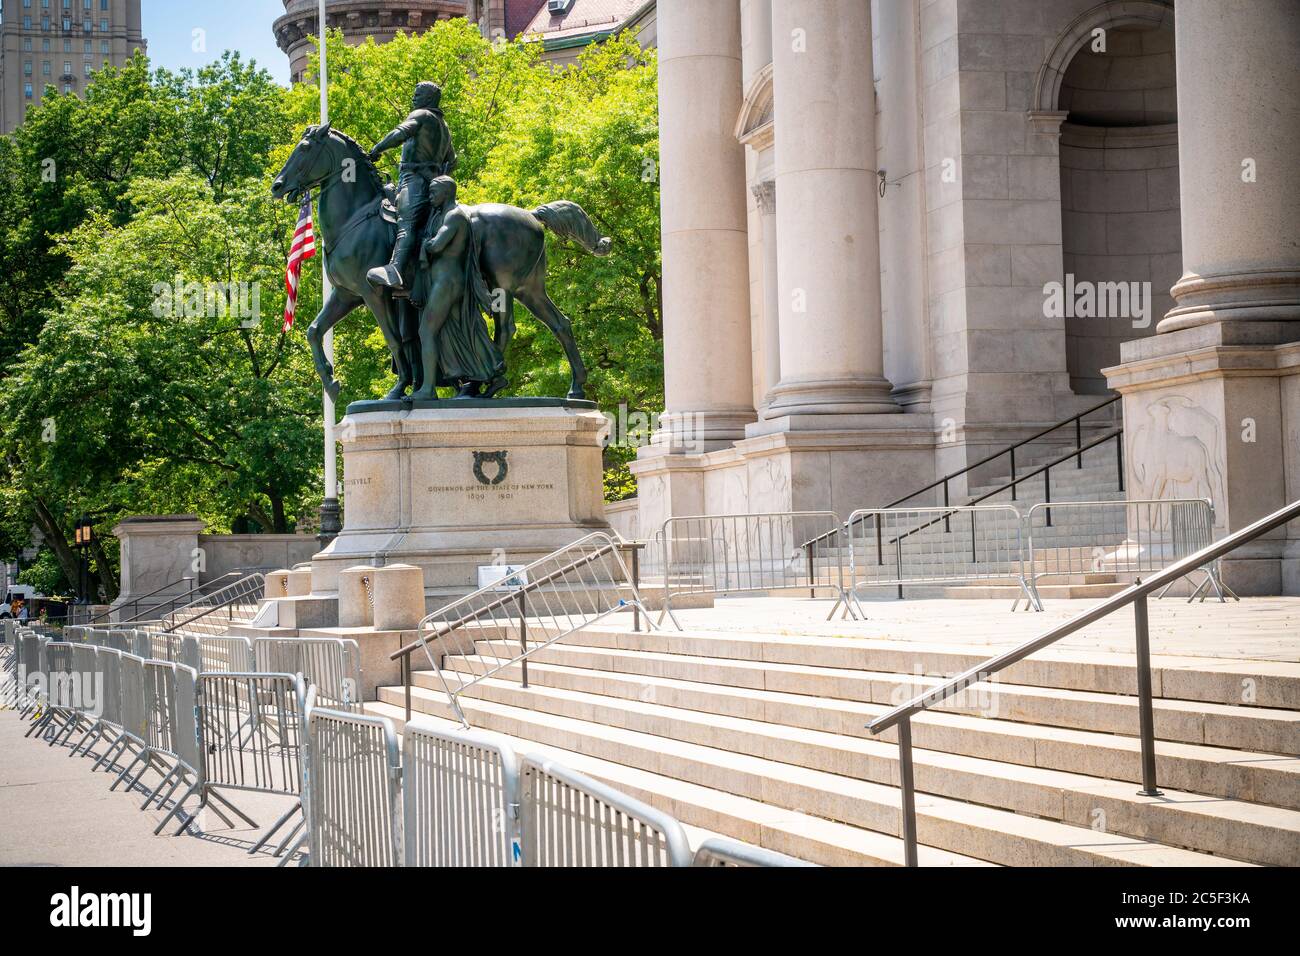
898, 236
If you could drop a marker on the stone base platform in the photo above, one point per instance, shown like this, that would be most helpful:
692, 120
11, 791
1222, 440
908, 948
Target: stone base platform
451, 486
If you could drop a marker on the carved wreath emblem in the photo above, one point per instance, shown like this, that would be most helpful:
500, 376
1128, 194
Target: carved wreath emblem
483, 457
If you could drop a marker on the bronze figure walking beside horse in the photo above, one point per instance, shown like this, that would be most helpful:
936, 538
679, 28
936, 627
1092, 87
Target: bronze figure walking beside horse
505, 248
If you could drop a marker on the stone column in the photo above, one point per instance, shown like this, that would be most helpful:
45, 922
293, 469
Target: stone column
829, 270
765, 195
707, 380
1212, 403
1238, 139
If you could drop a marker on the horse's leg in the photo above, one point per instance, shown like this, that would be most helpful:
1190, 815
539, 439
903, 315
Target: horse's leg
533, 296
503, 323
337, 305
385, 309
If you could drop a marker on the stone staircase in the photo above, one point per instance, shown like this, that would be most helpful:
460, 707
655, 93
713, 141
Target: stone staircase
761, 738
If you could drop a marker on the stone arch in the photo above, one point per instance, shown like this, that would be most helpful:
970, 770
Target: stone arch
754, 126
1112, 13
1115, 113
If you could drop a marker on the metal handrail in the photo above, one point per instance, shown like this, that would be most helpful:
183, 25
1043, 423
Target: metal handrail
1077, 421
510, 598
1135, 594
136, 601
1042, 469
240, 590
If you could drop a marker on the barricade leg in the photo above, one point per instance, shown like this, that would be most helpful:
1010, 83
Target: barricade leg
284, 818
153, 794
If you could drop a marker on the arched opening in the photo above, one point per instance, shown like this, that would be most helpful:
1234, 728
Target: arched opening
1121, 232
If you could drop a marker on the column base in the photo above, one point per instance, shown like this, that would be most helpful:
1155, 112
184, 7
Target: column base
855, 396
694, 433
1271, 296
1207, 412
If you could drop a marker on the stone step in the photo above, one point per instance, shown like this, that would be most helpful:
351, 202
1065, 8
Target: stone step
843, 700
1007, 592
1215, 771
1216, 680
801, 835
856, 786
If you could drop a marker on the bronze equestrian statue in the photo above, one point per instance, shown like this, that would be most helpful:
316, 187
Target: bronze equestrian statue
499, 250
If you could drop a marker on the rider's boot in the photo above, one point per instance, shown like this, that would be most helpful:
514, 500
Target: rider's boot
390, 276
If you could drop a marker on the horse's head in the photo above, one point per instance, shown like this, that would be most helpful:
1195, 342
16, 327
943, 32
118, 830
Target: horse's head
310, 164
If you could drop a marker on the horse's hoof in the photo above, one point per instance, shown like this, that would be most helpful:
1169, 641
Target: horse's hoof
496, 385
424, 395
398, 391
576, 394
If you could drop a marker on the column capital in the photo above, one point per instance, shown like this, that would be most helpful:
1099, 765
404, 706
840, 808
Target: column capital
765, 196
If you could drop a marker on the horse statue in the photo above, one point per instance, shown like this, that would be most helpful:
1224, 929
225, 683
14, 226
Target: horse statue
358, 233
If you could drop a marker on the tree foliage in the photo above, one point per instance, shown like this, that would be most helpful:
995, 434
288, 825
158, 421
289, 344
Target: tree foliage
127, 387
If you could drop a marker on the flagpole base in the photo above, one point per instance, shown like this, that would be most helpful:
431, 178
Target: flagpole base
330, 521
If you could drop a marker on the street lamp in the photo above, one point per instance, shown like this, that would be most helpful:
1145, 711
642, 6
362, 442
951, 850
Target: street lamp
82, 537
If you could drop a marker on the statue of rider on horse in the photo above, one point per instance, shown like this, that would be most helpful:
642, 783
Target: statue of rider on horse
429, 272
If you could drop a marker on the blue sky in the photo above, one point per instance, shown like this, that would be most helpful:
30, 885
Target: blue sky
243, 25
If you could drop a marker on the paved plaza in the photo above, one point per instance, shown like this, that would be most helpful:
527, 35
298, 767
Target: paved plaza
55, 812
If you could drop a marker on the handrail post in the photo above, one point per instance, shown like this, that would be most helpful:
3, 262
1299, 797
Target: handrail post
947, 525
908, 793
523, 635
898, 563
1047, 494
1013, 473
636, 586
406, 682
812, 584
1078, 439
1146, 716
1119, 458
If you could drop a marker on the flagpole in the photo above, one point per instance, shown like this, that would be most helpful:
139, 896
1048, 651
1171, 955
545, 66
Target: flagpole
329, 512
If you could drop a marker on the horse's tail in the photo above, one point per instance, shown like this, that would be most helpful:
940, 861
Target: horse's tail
568, 220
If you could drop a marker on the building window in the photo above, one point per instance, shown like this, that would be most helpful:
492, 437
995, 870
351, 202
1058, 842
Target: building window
67, 24
67, 45
87, 45
67, 67
27, 43
103, 4
103, 25
27, 23
27, 4
45, 68
27, 90
27, 68
67, 87
45, 45
103, 47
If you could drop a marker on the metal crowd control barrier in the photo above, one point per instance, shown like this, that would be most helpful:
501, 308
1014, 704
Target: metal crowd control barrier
732, 554
571, 820
89, 704
901, 546
331, 664
30, 667
251, 729
717, 851
217, 655
52, 684
1121, 537
461, 797
355, 790
504, 623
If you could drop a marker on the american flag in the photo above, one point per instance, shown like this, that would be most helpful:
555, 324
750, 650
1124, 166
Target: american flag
304, 247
